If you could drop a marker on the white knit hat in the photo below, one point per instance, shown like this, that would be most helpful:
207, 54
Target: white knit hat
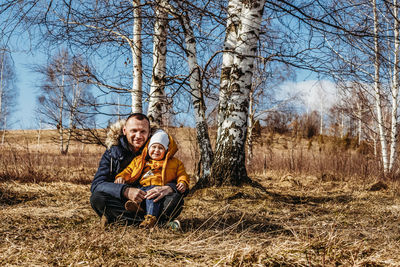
160, 137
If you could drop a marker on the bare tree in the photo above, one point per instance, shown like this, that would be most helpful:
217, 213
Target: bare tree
64, 92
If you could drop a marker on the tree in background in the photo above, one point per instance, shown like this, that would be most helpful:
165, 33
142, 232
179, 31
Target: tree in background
8, 91
65, 97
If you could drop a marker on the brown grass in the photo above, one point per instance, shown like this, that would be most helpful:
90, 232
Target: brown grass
308, 216
301, 221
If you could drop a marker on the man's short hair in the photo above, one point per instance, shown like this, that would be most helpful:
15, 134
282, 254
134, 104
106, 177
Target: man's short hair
139, 116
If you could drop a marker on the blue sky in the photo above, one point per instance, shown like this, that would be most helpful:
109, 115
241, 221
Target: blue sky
27, 82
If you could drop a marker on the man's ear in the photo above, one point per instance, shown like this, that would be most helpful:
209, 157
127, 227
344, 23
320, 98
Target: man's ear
124, 130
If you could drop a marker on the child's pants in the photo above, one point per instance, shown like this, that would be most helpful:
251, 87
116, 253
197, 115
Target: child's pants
152, 208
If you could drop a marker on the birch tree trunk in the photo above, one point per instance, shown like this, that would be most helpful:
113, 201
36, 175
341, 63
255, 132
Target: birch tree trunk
250, 130
395, 89
76, 96
196, 86
377, 89
203, 138
359, 121
136, 50
232, 29
157, 94
61, 106
236, 79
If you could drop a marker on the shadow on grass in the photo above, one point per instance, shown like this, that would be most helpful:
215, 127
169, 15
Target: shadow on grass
12, 198
293, 199
236, 224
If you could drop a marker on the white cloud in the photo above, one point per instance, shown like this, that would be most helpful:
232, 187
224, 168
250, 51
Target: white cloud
314, 94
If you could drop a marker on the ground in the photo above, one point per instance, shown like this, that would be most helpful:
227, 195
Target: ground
298, 221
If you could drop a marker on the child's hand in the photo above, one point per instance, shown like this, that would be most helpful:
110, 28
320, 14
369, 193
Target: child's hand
119, 180
181, 187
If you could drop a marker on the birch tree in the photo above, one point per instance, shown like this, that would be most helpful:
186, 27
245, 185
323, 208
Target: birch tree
157, 98
62, 102
395, 88
377, 89
136, 47
358, 32
242, 35
196, 89
110, 32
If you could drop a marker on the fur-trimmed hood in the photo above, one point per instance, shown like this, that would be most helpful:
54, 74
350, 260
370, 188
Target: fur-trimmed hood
114, 133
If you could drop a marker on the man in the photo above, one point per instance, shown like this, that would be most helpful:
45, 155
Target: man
108, 198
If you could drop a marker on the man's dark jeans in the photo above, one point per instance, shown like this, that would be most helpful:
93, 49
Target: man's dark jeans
115, 212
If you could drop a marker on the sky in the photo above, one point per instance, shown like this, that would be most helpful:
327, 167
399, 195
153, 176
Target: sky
312, 92
27, 84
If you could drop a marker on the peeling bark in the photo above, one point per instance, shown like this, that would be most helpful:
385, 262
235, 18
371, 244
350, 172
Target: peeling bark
395, 89
136, 50
199, 107
157, 99
229, 163
378, 96
232, 29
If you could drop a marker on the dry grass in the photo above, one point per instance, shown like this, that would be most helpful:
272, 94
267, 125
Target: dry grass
300, 221
303, 219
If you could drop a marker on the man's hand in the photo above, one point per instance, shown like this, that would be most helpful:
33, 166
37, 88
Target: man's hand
119, 180
135, 194
159, 192
181, 187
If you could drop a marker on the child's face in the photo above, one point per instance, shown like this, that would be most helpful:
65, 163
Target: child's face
157, 151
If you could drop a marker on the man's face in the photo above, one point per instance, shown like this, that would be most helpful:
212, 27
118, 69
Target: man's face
136, 132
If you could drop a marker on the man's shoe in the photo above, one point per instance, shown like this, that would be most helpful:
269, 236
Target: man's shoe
174, 225
132, 206
149, 222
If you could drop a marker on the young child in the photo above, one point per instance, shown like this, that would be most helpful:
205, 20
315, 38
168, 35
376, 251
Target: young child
156, 166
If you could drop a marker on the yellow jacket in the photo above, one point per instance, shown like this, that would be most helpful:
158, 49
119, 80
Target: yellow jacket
172, 169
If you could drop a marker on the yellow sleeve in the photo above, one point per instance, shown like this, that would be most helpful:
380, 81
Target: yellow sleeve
182, 176
127, 172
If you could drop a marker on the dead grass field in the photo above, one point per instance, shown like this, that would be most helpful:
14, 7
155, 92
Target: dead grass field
300, 220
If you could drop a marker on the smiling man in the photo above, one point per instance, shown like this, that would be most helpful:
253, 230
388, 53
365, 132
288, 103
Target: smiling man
125, 141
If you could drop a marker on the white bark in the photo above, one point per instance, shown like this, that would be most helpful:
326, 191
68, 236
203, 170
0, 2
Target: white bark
250, 130
377, 89
359, 121
198, 101
395, 90
61, 88
136, 50
229, 163
232, 29
157, 99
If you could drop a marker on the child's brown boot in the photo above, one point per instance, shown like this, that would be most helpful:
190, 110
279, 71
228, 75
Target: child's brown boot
149, 222
132, 206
